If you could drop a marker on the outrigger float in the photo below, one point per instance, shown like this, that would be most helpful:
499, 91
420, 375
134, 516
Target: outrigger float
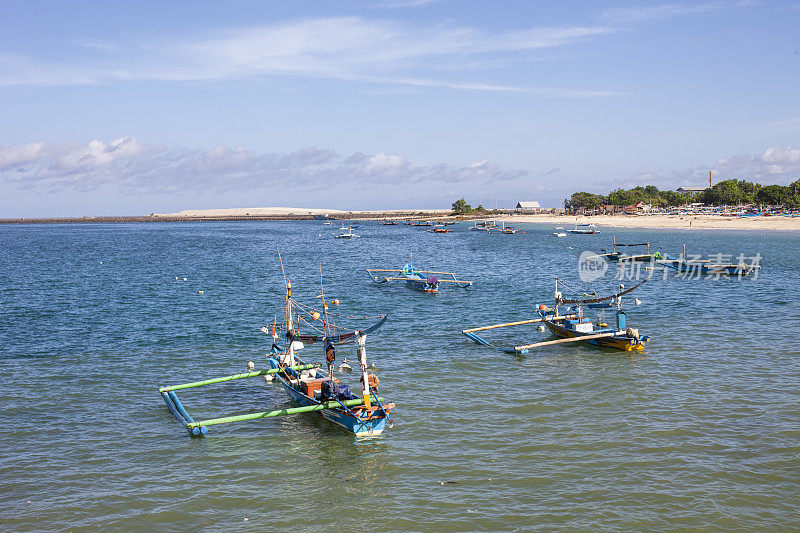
573, 326
421, 280
313, 389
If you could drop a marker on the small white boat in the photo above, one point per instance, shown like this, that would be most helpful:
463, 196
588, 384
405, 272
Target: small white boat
560, 234
346, 233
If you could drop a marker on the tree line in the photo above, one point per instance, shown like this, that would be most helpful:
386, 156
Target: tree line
728, 192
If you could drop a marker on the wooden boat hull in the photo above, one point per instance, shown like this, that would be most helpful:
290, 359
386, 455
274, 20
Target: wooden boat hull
339, 416
622, 342
423, 286
687, 267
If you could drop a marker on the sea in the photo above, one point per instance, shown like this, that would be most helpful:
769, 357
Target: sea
698, 432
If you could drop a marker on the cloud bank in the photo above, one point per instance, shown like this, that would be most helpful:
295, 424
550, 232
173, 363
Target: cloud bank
137, 168
775, 165
344, 48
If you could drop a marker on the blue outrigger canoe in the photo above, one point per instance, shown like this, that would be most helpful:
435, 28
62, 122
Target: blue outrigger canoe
421, 280
313, 389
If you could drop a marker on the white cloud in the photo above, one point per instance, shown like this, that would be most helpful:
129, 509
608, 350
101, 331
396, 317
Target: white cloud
137, 168
345, 48
644, 13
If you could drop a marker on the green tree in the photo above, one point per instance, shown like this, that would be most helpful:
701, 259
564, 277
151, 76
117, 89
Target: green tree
725, 192
774, 195
585, 200
461, 207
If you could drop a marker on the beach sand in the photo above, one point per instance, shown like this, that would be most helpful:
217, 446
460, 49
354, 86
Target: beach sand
663, 221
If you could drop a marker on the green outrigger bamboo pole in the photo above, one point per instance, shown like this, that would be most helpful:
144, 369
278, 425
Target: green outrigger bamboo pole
277, 412
235, 376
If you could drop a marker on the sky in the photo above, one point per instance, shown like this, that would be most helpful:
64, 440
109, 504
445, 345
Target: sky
131, 108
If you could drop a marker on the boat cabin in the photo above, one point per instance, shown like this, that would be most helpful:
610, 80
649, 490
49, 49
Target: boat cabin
581, 325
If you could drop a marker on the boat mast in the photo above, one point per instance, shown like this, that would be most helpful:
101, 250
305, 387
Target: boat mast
362, 359
557, 296
289, 322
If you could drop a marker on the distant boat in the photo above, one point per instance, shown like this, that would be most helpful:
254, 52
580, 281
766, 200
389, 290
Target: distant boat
584, 229
421, 280
389, 223
560, 234
320, 217
615, 255
483, 226
346, 233
508, 230
706, 267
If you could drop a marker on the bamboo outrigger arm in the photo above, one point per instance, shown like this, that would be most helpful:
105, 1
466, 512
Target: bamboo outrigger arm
478, 339
234, 376
276, 412
520, 323
180, 413
463, 282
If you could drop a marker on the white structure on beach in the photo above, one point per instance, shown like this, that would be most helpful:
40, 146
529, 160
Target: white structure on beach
528, 207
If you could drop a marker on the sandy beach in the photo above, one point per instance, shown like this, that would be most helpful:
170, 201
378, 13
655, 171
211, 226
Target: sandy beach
664, 221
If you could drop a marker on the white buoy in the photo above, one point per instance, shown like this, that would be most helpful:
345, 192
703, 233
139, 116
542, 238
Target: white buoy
176, 278
541, 328
200, 292
184, 279
251, 365
336, 302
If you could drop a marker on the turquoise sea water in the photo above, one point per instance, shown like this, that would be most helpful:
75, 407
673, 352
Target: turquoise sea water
700, 431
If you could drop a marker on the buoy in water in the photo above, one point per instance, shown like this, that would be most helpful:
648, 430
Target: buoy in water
200, 292
541, 328
336, 302
184, 279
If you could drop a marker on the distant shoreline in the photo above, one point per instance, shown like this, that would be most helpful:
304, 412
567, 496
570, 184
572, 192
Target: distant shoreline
776, 223
240, 215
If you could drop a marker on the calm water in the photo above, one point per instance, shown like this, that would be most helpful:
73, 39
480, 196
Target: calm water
701, 431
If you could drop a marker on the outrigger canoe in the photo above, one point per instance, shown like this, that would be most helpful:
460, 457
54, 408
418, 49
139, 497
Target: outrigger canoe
421, 280
573, 326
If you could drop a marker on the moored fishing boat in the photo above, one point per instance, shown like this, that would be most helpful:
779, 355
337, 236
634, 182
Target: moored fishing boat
421, 280
313, 389
616, 255
345, 233
574, 326
363, 415
705, 267
584, 229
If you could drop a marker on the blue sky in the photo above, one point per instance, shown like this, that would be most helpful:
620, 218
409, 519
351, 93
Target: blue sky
138, 107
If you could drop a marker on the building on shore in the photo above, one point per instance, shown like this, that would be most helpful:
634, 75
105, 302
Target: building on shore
636, 208
526, 207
